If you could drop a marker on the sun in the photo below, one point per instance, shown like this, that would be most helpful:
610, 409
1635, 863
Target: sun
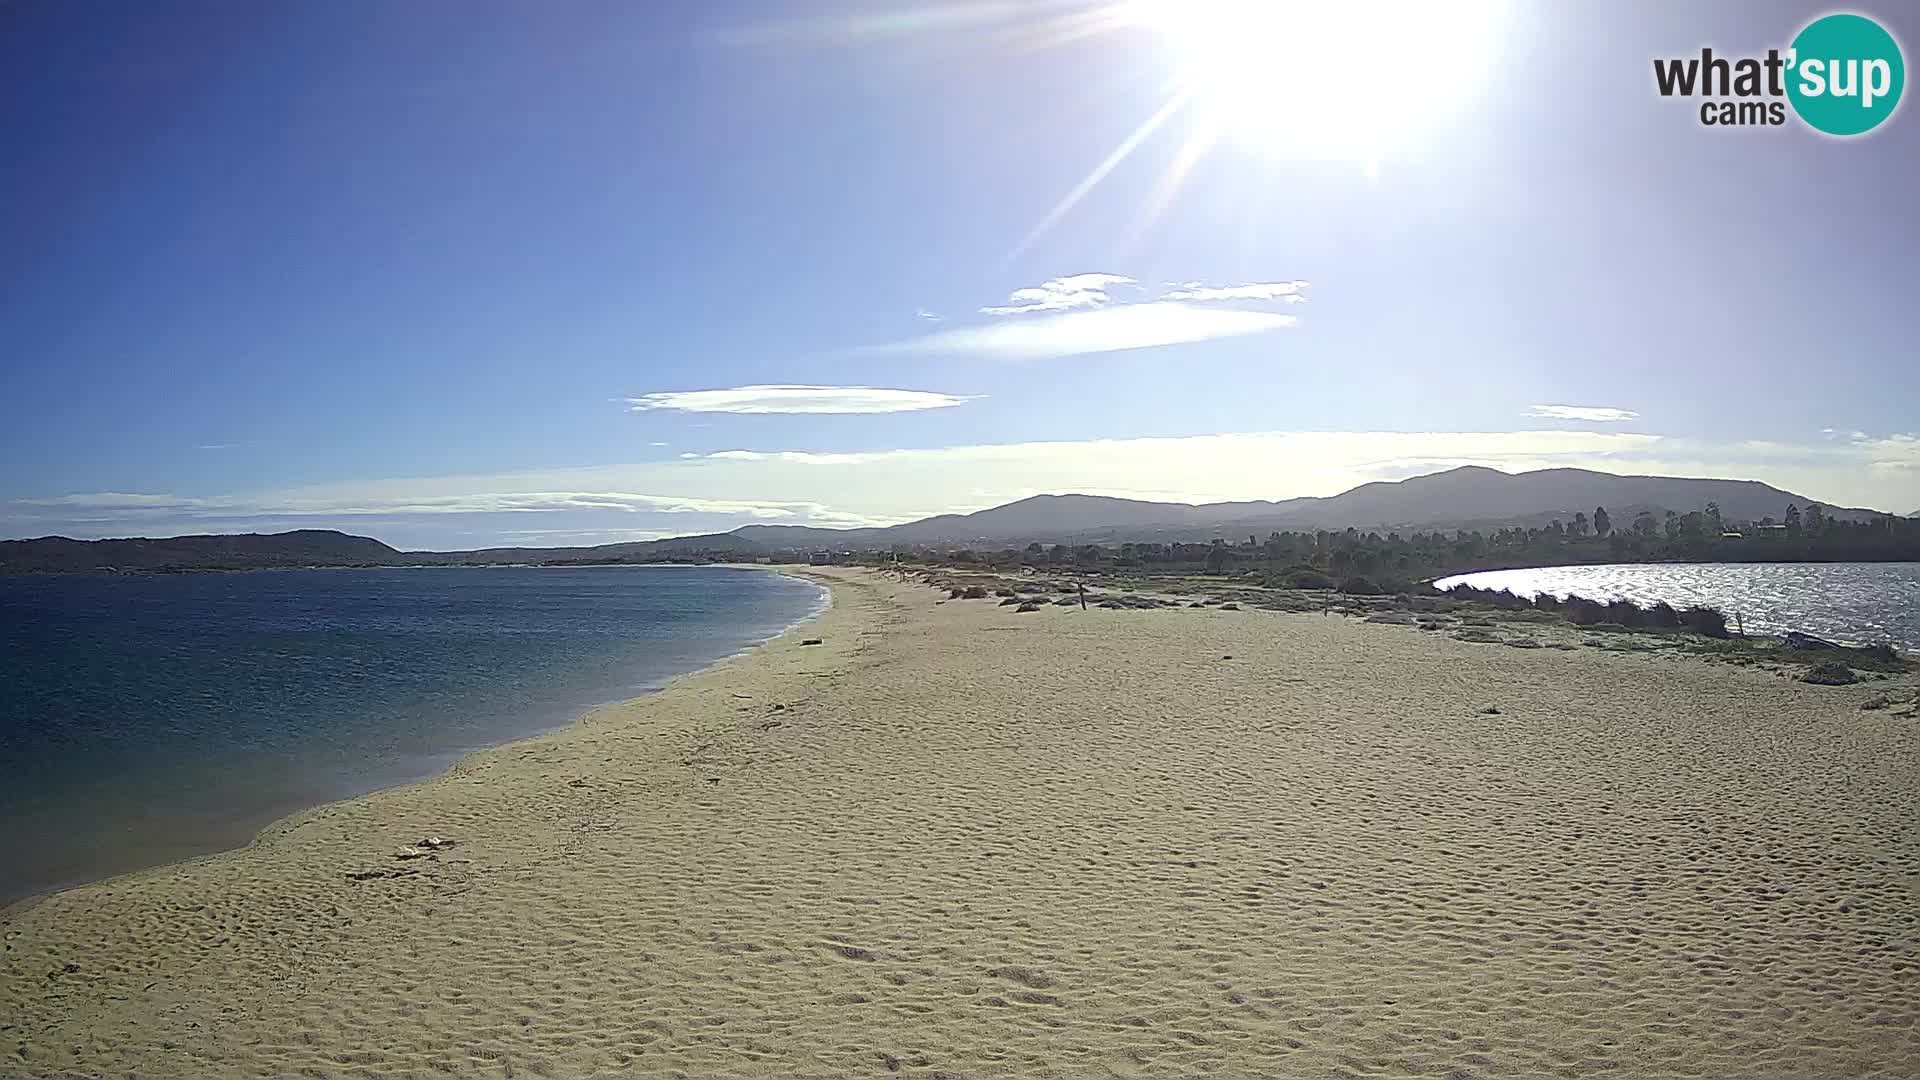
1346, 77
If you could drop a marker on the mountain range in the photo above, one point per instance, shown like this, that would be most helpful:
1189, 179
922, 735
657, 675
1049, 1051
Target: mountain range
253, 551
1464, 498
1468, 497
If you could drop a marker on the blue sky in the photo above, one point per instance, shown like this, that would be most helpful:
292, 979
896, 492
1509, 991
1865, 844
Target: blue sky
455, 275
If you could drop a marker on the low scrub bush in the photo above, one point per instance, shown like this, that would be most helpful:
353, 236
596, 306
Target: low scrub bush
1830, 673
1626, 613
1581, 611
1301, 577
1618, 613
1882, 653
1705, 620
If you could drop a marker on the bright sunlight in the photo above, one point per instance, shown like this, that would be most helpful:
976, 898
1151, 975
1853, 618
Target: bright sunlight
1343, 80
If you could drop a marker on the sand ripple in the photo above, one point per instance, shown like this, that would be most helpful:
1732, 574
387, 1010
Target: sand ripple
957, 840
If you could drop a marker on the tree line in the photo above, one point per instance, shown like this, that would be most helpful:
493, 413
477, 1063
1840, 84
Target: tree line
1802, 534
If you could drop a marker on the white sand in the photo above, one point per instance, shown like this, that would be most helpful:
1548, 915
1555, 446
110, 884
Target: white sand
957, 840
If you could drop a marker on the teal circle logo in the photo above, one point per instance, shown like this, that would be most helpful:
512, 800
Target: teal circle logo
1845, 74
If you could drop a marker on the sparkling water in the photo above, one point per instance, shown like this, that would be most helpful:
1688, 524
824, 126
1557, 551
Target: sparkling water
1856, 603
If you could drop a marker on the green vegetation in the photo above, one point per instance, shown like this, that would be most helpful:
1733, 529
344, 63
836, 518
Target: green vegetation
1617, 613
1323, 558
1467, 613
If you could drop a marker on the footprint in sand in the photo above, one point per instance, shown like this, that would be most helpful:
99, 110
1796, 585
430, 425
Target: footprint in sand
1028, 977
847, 952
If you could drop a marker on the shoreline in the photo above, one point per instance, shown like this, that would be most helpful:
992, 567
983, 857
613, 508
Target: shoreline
14, 907
956, 839
1772, 617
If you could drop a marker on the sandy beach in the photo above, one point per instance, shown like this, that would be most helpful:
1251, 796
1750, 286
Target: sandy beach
956, 840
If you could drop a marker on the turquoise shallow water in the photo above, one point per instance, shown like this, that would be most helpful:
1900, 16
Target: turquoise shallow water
1858, 603
145, 719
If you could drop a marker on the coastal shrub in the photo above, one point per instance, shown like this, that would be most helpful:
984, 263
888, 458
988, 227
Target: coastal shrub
1500, 598
1705, 620
1620, 614
1830, 673
1584, 612
1305, 577
955, 593
974, 592
1005, 592
1360, 586
1626, 613
1882, 653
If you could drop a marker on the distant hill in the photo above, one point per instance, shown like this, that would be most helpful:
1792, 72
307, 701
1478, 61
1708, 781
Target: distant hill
1472, 496
246, 551
704, 544
1032, 518
1466, 497
1469, 497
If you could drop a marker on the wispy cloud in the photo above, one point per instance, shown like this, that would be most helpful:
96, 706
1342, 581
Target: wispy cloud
301, 503
576, 537
1061, 294
927, 315
1288, 291
1105, 329
796, 399
1101, 312
1893, 453
803, 457
702, 492
1595, 413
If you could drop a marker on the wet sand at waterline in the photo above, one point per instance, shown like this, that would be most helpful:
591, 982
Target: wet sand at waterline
959, 840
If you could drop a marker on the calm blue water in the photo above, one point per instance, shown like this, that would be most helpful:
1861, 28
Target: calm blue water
145, 719
1857, 603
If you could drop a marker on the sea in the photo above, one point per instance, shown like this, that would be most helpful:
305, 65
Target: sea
146, 719
1852, 603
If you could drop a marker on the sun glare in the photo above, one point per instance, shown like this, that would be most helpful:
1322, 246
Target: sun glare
1352, 79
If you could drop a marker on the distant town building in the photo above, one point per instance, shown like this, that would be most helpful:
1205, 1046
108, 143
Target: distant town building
820, 558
